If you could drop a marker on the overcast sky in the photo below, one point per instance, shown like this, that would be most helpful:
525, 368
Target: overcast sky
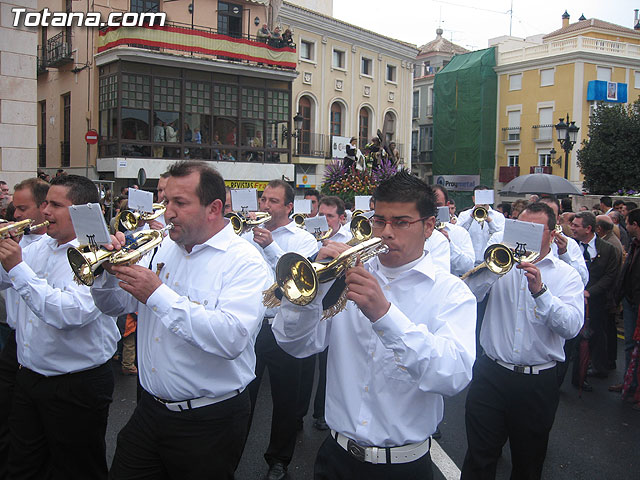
470, 23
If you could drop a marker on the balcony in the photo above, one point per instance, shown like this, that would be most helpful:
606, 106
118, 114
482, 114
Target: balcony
59, 51
541, 169
429, 110
543, 133
201, 42
41, 60
65, 154
315, 145
511, 135
508, 173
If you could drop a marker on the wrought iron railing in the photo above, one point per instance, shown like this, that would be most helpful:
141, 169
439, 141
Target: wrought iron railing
59, 50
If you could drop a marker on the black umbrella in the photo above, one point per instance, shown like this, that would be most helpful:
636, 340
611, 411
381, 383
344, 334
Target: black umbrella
541, 183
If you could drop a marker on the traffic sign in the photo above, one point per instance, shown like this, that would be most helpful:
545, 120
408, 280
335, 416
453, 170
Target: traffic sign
91, 137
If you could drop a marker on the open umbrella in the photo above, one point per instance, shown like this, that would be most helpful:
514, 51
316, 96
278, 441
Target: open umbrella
541, 183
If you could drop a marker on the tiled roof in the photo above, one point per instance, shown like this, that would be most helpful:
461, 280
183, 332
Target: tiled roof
441, 45
592, 23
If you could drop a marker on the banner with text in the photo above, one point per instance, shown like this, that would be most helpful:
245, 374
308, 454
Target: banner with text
458, 183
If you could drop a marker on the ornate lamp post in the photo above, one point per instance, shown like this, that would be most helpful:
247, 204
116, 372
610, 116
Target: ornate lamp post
567, 136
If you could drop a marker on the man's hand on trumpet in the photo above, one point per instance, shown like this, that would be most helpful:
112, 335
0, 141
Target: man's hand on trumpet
364, 289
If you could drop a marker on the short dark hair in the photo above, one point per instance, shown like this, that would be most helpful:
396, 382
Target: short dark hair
81, 189
2, 182
631, 205
550, 200
443, 190
506, 209
618, 202
333, 201
289, 194
38, 187
165, 175
634, 217
404, 187
604, 225
606, 200
540, 207
312, 192
480, 187
567, 204
588, 219
211, 185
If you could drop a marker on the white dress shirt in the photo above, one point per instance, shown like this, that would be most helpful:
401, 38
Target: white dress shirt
591, 248
461, 249
438, 247
521, 330
573, 255
343, 236
480, 234
197, 331
13, 297
386, 380
58, 327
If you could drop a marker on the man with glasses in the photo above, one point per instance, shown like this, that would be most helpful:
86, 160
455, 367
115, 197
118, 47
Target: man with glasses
531, 311
404, 341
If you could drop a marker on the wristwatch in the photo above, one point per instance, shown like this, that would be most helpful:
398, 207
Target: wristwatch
542, 290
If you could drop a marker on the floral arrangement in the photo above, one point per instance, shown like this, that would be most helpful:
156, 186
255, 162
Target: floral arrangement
347, 183
628, 193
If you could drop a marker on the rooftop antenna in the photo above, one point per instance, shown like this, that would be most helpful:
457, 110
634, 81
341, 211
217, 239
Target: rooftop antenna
510, 17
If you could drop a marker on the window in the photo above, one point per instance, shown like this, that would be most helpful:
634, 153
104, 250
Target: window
338, 59
546, 124
514, 126
363, 130
513, 158
426, 138
547, 77
391, 73
366, 67
636, 77
414, 143
143, 6
304, 138
306, 50
42, 147
336, 119
603, 73
65, 150
389, 127
515, 82
544, 159
416, 104
230, 19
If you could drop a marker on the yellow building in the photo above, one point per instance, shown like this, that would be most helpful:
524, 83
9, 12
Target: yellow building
543, 78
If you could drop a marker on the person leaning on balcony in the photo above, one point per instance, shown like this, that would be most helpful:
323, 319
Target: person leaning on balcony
263, 34
287, 38
275, 40
158, 136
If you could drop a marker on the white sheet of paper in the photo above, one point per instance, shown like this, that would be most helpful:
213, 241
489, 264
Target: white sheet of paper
527, 233
140, 200
245, 199
443, 214
302, 206
316, 224
88, 221
362, 202
484, 197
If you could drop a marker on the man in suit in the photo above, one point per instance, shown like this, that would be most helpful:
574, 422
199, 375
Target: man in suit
603, 264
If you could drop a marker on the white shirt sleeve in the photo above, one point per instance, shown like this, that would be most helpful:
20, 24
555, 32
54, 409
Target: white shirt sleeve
461, 250
438, 247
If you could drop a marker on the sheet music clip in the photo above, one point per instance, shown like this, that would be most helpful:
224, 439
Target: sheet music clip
317, 231
91, 240
520, 250
243, 210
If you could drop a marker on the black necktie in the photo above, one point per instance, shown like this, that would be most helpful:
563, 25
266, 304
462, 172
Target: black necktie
585, 253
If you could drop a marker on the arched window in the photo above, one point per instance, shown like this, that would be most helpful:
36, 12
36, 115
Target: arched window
336, 119
304, 137
389, 127
363, 127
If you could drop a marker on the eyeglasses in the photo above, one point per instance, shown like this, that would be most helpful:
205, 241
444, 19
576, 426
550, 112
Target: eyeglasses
396, 224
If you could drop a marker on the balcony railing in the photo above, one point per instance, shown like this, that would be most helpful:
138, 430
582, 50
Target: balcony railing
511, 134
65, 154
508, 173
59, 51
313, 145
42, 60
541, 169
200, 41
42, 155
429, 110
543, 133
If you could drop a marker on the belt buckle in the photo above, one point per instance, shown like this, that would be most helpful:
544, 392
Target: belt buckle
356, 450
519, 369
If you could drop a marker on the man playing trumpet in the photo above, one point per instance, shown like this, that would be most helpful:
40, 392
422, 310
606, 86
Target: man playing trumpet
404, 341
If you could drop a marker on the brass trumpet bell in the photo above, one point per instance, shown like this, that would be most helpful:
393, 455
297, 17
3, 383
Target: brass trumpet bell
128, 220
361, 230
480, 214
299, 218
499, 259
86, 262
242, 224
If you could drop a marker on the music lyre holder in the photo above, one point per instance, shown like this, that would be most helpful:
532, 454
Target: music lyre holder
91, 240
520, 250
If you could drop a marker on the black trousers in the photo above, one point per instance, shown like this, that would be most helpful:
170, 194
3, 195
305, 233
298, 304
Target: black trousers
307, 375
502, 405
284, 376
612, 339
199, 444
321, 389
8, 370
334, 463
57, 425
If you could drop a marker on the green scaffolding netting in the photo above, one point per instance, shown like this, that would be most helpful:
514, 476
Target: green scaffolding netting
464, 119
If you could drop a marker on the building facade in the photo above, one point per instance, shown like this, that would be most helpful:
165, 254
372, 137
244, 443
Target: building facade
544, 78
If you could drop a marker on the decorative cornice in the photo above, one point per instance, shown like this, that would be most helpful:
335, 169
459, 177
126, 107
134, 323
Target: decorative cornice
570, 57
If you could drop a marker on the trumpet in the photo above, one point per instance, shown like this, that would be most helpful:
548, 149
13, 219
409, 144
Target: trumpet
558, 228
499, 259
19, 228
361, 230
355, 213
242, 224
86, 261
320, 236
128, 220
298, 218
299, 279
480, 214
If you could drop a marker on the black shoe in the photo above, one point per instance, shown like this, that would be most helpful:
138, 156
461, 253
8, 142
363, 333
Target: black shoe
277, 471
437, 435
320, 424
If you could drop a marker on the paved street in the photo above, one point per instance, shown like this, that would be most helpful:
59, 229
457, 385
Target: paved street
594, 437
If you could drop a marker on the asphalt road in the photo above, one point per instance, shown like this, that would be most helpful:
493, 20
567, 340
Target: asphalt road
594, 437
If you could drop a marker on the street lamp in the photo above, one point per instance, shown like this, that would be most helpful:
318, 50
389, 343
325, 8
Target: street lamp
552, 156
298, 120
567, 136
